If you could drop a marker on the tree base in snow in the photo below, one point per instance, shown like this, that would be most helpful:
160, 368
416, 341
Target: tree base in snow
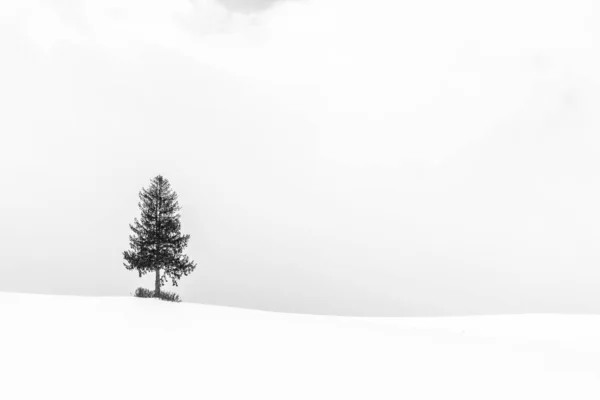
164, 295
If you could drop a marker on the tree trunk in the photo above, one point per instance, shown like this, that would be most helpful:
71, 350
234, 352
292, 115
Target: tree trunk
157, 283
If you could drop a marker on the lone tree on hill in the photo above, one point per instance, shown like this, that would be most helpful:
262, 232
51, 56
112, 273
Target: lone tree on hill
157, 243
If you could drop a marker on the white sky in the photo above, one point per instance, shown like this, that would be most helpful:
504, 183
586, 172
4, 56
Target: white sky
331, 156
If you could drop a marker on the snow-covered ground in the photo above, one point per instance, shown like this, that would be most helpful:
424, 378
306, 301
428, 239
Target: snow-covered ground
126, 348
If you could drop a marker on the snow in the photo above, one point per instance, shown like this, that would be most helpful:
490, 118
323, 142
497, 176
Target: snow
126, 348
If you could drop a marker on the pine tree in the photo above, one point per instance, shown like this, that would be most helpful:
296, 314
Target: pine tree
157, 243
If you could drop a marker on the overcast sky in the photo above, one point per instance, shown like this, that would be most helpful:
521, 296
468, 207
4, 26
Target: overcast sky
331, 157
248, 6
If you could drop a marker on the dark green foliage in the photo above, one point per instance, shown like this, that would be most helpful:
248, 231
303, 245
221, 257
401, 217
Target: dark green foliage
143, 292
157, 243
167, 296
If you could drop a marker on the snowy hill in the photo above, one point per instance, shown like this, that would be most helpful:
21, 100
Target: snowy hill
127, 348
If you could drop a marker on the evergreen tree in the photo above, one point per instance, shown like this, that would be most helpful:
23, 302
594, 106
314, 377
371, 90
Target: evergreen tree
157, 243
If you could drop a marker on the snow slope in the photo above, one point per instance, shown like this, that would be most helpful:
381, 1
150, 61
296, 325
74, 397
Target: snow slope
127, 348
